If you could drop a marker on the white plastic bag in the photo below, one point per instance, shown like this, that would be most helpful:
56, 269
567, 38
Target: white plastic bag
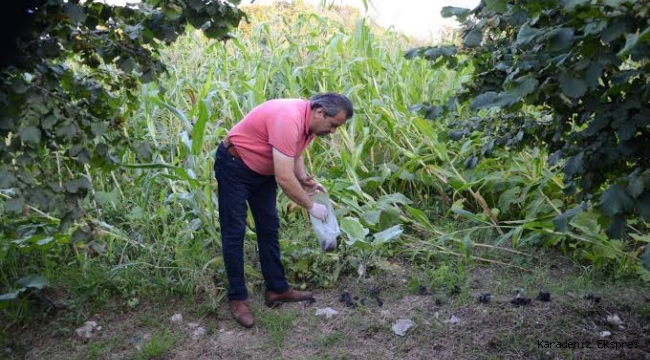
325, 231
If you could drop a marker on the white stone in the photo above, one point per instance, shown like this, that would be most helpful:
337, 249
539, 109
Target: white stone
401, 326
177, 318
328, 312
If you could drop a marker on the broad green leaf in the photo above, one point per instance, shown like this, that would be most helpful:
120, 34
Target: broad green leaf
418, 215
7, 179
136, 213
615, 201
354, 230
643, 270
492, 99
574, 165
172, 11
641, 238
106, 198
596, 27
645, 258
633, 41
498, 6
15, 205
371, 217
79, 236
509, 197
396, 198
75, 12
471, 162
468, 215
587, 223
460, 13
388, 235
473, 38
613, 31
127, 65
525, 85
389, 217
571, 86
34, 282
78, 185
643, 206
99, 128
196, 5
626, 131
560, 39
30, 135
560, 221
570, 5
616, 228
525, 36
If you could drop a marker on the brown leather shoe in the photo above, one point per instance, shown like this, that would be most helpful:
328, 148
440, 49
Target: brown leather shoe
241, 311
274, 299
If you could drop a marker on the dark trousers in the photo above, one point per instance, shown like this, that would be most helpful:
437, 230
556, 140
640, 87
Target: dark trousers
237, 186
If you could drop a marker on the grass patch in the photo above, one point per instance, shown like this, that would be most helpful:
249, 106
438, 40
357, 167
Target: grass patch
276, 324
161, 342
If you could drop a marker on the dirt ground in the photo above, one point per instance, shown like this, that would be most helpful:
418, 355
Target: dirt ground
583, 320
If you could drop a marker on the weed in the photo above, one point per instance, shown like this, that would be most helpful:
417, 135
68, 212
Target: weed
276, 324
159, 344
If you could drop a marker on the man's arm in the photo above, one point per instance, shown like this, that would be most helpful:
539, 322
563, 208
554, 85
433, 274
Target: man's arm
286, 177
306, 181
299, 168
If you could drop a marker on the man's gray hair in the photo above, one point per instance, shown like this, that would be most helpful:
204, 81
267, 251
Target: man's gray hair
332, 104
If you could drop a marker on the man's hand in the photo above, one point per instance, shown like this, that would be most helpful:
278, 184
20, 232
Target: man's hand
310, 185
319, 211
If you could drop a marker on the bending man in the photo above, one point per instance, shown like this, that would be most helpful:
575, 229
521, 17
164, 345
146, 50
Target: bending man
262, 151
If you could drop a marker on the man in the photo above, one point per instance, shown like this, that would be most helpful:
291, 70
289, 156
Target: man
262, 151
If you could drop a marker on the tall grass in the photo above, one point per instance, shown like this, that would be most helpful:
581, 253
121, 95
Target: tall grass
389, 170
401, 187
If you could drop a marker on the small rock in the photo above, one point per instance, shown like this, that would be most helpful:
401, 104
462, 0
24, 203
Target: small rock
614, 320
177, 319
605, 334
401, 326
452, 320
198, 333
85, 331
193, 325
328, 312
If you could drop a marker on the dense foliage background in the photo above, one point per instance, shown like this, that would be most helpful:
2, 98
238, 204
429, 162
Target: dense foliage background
107, 185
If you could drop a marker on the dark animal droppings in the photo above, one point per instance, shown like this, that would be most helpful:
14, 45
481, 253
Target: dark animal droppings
485, 298
544, 296
520, 301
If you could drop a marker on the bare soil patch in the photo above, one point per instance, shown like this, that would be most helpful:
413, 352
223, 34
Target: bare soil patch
448, 325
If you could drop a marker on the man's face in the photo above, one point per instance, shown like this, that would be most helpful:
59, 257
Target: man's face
324, 125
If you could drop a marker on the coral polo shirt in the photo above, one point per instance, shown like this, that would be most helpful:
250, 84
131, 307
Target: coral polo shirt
282, 124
